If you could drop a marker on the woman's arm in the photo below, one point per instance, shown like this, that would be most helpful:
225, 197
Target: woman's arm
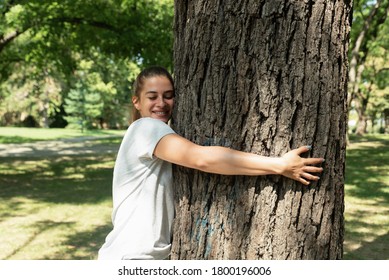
225, 161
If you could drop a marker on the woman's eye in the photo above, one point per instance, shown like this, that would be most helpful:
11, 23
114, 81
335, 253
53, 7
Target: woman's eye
153, 98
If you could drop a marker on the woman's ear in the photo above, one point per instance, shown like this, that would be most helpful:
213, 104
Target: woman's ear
135, 101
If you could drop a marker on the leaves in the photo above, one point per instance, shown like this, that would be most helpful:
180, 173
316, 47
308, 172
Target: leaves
54, 39
370, 41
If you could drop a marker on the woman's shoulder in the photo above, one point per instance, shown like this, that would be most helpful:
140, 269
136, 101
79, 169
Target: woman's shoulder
149, 125
146, 130
147, 121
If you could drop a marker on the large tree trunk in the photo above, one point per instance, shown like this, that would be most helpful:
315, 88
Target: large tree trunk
262, 77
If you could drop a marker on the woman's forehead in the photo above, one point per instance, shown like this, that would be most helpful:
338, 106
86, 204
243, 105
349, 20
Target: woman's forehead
157, 83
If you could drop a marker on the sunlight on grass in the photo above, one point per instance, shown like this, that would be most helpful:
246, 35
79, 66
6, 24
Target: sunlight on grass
367, 199
60, 207
23, 134
55, 209
50, 231
19, 166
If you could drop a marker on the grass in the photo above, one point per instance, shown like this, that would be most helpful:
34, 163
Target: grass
22, 135
60, 207
367, 198
57, 207
54, 209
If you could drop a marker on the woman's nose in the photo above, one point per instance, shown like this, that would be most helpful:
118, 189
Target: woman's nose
161, 101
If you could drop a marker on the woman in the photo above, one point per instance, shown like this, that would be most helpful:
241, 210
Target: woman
143, 206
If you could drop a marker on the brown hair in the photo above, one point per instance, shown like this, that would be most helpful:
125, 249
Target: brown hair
149, 72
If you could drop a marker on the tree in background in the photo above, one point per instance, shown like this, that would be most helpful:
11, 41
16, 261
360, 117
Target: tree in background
369, 40
373, 94
31, 94
262, 77
55, 35
92, 102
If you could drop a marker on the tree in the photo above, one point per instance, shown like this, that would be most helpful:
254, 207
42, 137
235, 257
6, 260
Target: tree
53, 36
370, 100
262, 77
91, 96
130, 28
366, 37
30, 93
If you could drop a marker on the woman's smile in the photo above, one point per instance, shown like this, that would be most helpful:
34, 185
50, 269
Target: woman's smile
156, 99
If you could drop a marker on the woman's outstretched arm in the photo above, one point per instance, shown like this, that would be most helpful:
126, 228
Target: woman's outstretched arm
225, 161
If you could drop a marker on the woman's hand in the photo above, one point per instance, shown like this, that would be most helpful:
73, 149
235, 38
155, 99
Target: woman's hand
300, 169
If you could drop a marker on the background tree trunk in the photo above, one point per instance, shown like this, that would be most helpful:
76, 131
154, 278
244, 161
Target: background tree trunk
262, 77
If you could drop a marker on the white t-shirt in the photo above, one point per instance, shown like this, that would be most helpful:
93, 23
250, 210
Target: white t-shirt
143, 206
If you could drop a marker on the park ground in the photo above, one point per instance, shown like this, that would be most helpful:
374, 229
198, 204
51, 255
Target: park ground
55, 194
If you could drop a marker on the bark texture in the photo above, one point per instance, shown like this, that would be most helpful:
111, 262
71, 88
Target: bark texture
262, 77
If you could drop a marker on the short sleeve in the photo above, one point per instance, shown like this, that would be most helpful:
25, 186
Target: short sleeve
149, 132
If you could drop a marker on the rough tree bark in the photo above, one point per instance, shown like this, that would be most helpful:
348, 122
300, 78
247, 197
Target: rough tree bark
262, 77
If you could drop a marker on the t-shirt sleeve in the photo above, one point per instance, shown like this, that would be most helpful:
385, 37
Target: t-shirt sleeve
148, 133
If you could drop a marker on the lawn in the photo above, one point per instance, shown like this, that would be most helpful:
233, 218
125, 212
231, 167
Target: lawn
24, 134
367, 198
55, 207
60, 207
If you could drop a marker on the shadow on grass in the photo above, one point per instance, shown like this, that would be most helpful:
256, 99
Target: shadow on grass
371, 250
376, 249
57, 135
366, 180
365, 169
18, 139
74, 180
39, 228
77, 246
84, 245
70, 179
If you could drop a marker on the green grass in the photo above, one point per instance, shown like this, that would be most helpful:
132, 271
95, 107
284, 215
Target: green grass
367, 198
54, 208
57, 207
23, 135
60, 207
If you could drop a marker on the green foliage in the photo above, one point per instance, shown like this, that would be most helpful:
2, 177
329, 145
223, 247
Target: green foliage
371, 100
131, 29
362, 9
44, 40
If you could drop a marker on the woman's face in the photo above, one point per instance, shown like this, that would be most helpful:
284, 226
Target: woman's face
156, 99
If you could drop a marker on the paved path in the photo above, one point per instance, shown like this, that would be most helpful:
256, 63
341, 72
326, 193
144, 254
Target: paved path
76, 146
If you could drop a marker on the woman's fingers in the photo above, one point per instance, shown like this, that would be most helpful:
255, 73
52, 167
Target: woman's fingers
310, 177
303, 149
308, 161
303, 181
302, 169
306, 178
313, 169
313, 161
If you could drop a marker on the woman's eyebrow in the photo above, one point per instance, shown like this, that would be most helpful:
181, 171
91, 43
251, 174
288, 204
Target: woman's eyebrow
155, 92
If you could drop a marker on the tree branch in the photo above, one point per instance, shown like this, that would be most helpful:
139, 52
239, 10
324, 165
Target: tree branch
79, 21
360, 42
5, 40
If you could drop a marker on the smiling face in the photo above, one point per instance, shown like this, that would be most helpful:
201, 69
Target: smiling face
156, 98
